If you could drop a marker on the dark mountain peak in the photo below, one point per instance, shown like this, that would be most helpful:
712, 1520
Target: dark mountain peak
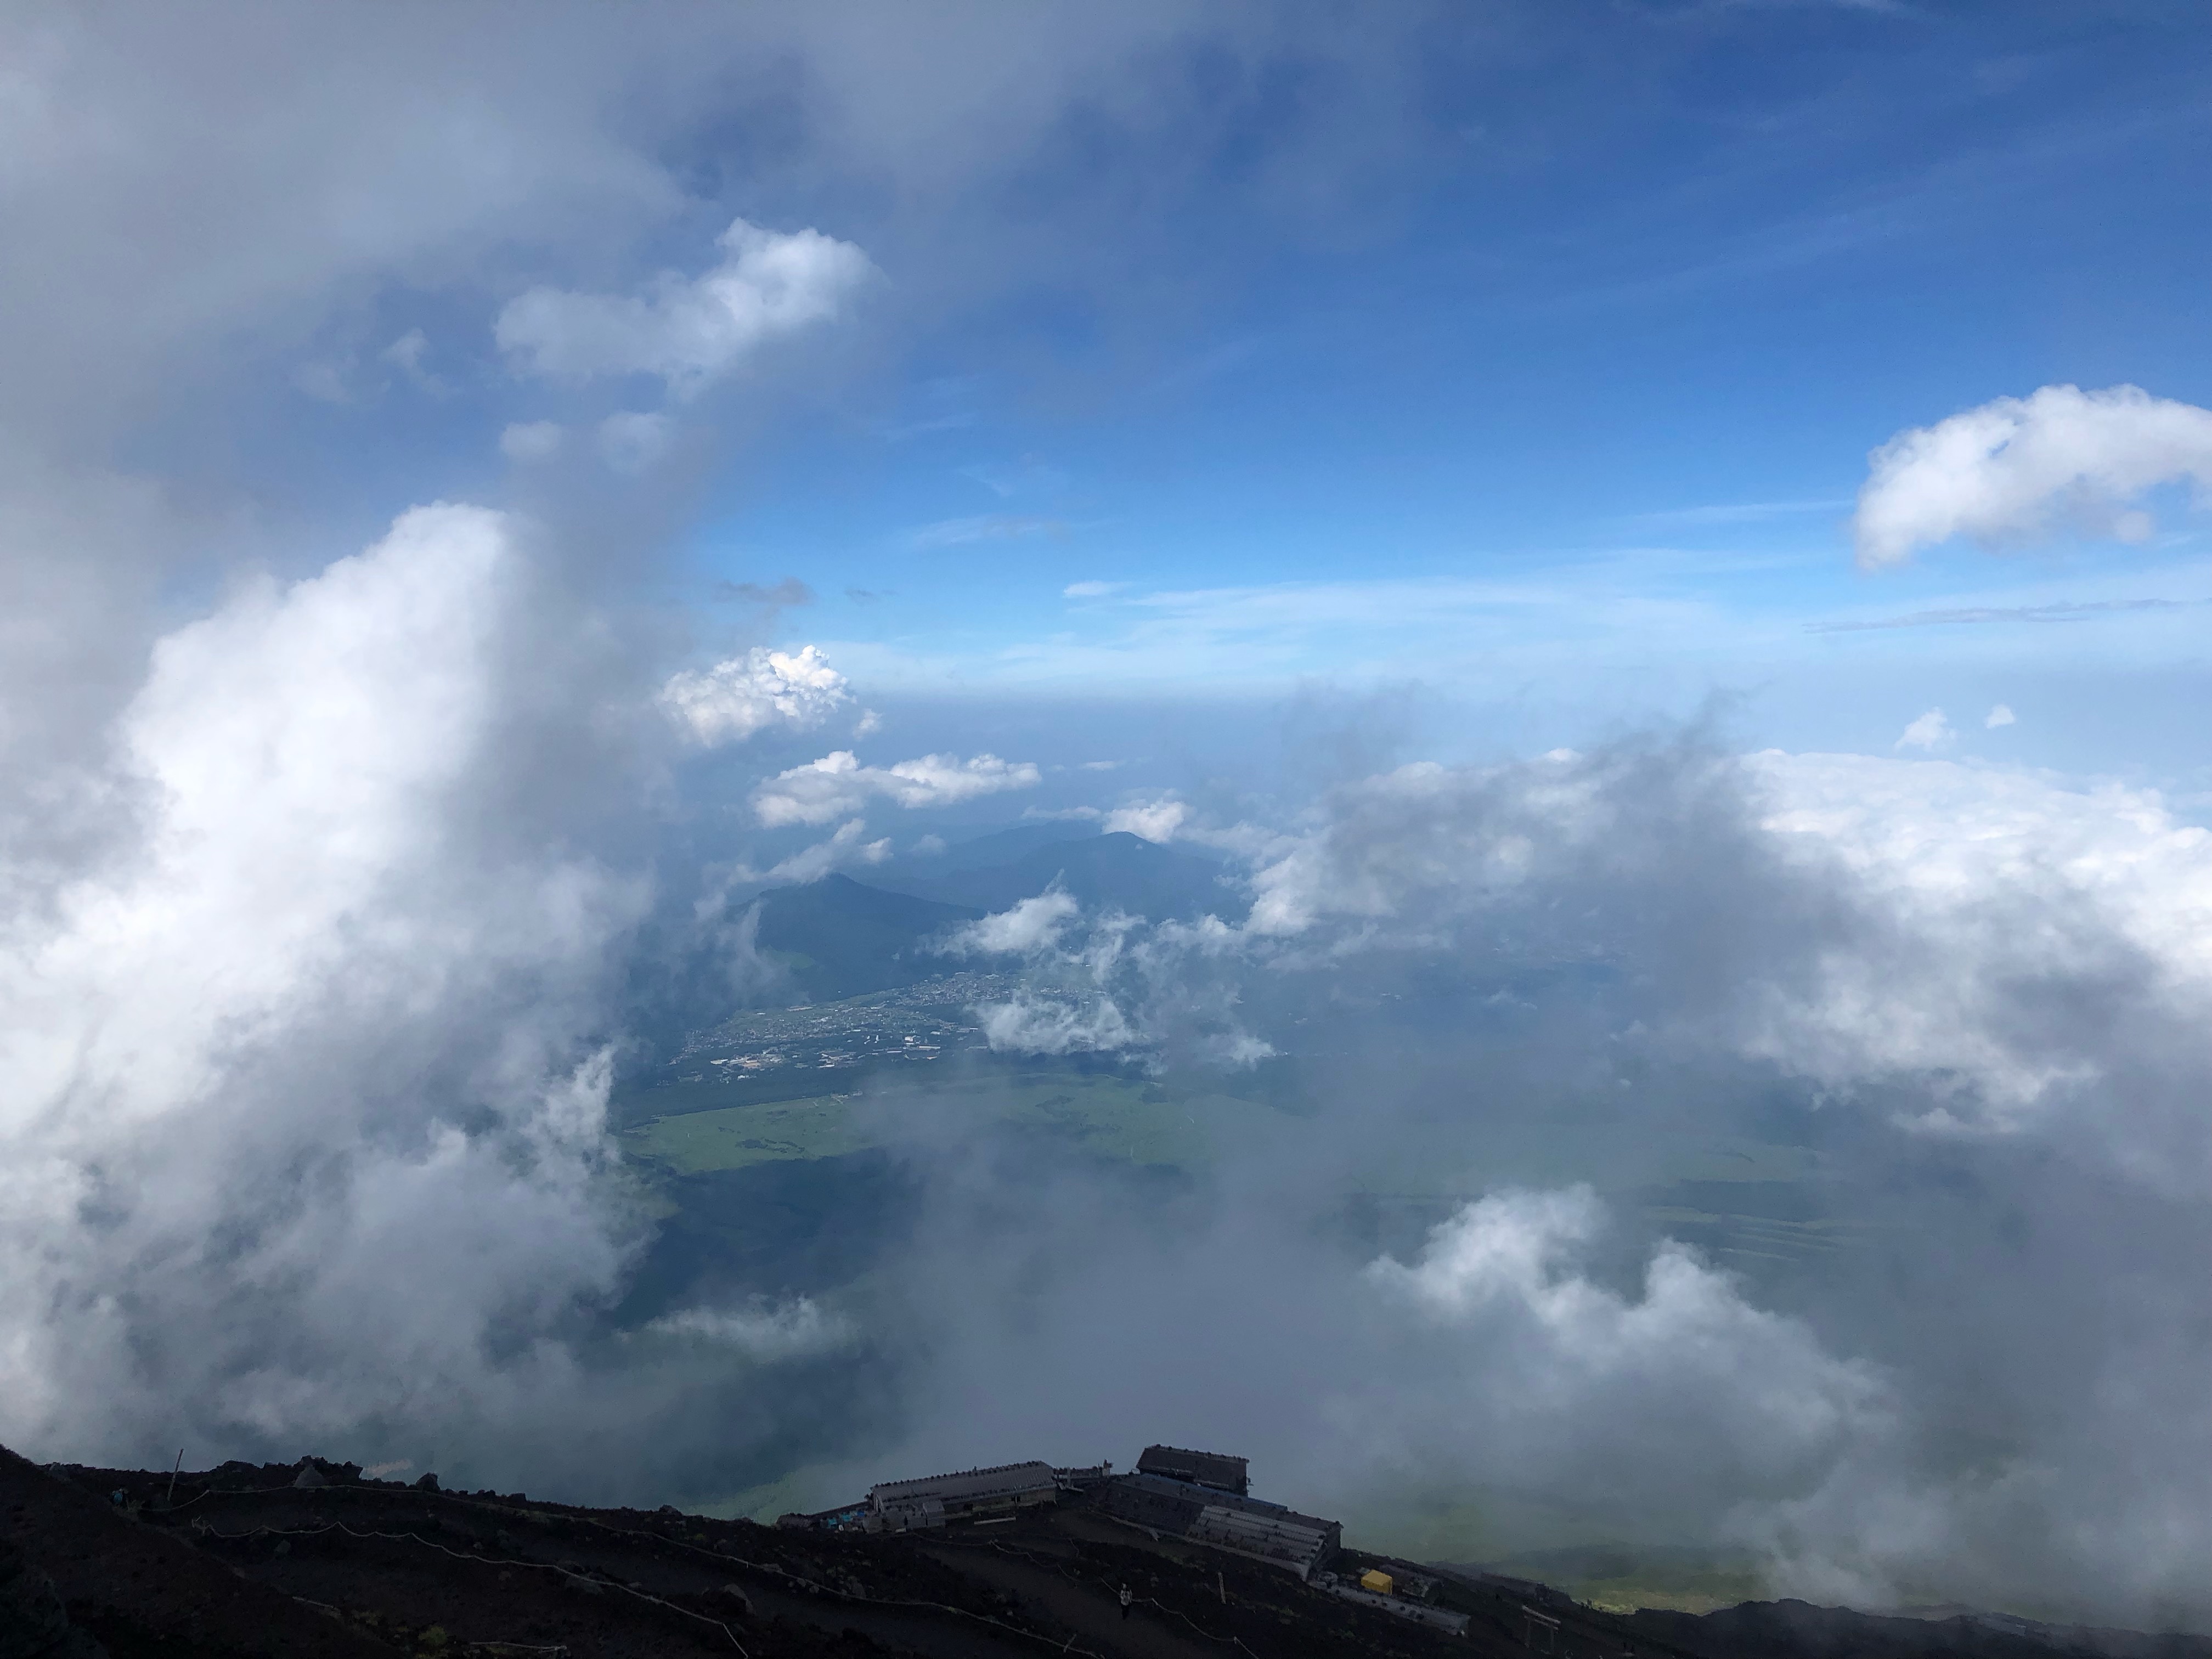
840, 938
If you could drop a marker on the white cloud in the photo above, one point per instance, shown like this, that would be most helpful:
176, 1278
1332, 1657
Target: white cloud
325, 379
1994, 876
1564, 1358
249, 1034
1961, 885
798, 1329
1034, 924
843, 847
1091, 590
2011, 470
631, 442
1982, 990
838, 784
989, 527
1155, 820
406, 354
527, 441
691, 331
1041, 1025
741, 695
2000, 715
1930, 730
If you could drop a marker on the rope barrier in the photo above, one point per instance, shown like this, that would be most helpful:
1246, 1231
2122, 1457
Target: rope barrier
719, 1557
1026, 1555
486, 1561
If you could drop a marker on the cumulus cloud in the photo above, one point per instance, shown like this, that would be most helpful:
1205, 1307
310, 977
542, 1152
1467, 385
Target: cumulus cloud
838, 784
1499, 1364
1922, 907
1043, 1025
301, 1083
1034, 924
843, 847
311, 923
631, 442
406, 355
1569, 1373
529, 441
1155, 820
762, 1330
742, 695
689, 331
1956, 1011
1110, 981
1930, 730
2015, 917
2014, 468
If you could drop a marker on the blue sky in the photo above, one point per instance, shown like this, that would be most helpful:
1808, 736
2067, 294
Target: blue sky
1530, 356
1580, 407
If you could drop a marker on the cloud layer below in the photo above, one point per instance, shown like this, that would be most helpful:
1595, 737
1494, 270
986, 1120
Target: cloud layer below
1972, 999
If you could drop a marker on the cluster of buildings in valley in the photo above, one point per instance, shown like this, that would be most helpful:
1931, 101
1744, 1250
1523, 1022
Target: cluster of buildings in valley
1198, 1497
915, 1023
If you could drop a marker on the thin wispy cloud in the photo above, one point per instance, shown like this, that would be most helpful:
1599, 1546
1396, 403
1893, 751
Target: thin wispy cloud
923, 429
1964, 616
985, 527
789, 591
1724, 512
1025, 476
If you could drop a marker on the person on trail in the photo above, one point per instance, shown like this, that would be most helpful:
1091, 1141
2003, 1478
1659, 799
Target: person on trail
1125, 1599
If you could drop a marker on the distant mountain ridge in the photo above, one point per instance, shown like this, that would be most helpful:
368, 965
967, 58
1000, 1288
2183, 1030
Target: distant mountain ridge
982, 852
1120, 869
837, 938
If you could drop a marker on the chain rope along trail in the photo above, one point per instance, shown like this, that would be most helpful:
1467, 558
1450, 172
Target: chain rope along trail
542, 1517
1027, 1555
487, 1646
539, 1517
597, 1584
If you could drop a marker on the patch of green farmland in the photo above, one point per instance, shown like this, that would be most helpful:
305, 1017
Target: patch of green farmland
1108, 1116
692, 1143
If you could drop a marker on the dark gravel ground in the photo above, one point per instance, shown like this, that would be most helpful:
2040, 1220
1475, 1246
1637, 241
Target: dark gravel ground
313, 1561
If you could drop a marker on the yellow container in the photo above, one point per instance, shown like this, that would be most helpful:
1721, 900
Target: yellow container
1381, 1582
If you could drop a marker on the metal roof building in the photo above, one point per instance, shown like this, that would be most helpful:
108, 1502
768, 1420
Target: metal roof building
1201, 1468
937, 1498
1300, 1542
1244, 1526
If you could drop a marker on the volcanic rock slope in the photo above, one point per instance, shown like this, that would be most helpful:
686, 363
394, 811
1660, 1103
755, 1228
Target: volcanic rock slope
313, 1560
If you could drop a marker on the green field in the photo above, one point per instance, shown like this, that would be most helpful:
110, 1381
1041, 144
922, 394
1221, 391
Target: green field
1748, 1203
1106, 1116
